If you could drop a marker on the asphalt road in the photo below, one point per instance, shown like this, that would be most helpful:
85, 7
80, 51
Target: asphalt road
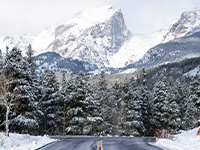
100, 143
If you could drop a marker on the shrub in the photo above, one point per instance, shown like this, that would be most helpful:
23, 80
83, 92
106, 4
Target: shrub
164, 134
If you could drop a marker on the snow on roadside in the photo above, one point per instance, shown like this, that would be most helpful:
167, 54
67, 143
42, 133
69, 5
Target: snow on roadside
187, 140
22, 141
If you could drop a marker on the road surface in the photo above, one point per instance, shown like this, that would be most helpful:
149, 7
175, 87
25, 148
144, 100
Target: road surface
100, 143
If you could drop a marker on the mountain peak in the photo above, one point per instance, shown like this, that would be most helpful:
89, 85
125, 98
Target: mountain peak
93, 35
188, 22
92, 16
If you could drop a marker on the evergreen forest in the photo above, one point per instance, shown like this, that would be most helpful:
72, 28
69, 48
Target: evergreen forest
37, 104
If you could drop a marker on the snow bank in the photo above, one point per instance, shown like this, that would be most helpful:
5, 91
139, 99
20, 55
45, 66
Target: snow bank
22, 141
187, 140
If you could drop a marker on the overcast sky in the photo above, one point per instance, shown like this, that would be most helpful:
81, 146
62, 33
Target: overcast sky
141, 16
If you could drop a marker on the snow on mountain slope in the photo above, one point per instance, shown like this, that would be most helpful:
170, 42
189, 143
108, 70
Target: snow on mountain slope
172, 51
187, 24
21, 41
193, 72
175, 41
131, 51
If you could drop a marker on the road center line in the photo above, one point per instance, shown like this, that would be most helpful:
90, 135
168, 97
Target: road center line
100, 144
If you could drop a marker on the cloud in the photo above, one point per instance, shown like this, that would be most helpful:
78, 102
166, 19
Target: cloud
22, 16
30, 16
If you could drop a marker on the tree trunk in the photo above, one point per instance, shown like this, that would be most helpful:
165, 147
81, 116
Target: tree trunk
7, 121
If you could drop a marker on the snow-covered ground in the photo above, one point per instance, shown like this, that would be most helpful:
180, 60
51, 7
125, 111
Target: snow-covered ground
187, 140
22, 141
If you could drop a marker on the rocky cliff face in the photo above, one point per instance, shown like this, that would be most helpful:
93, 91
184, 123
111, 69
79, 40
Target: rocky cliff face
187, 23
93, 35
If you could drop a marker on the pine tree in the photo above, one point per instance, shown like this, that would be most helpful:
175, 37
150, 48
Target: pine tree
173, 111
115, 100
159, 103
68, 88
22, 118
181, 96
106, 109
94, 120
50, 104
145, 106
132, 109
33, 80
31, 71
77, 105
195, 92
63, 99
189, 114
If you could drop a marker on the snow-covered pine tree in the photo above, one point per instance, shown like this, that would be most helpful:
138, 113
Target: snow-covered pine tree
63, 84
31, 62
190, 111
33, 81
22, 117
63, 97
77, 105
106, 109
93, 111
133, 124
115, 101
195, 92
159, 103
181, 96
68, 88
145, 105
173, 112
188, 120
31, 70
125, 97
50, 103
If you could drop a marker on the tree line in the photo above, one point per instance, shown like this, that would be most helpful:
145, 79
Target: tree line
37, 104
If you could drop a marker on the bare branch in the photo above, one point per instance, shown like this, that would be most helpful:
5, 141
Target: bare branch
8, 98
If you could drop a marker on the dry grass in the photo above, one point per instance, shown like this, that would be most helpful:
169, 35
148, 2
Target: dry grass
111, 79
164, 134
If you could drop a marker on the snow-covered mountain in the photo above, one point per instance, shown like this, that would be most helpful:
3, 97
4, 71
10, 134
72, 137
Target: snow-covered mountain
100, 37
93, 35
20, 41
174, 42
96, 35
188, 23
53, 61
172, 51
131, 51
